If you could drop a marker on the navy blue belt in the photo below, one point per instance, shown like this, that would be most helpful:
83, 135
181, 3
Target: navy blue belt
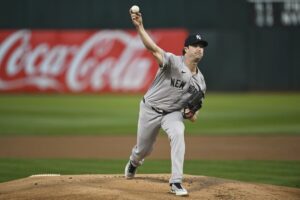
159, 111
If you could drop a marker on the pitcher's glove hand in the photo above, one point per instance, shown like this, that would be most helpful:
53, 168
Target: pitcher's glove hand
193, 104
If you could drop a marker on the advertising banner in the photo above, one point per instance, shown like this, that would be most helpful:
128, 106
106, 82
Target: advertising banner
81, 61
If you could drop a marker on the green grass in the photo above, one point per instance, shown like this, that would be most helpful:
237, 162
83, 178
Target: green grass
222, 114
286, 173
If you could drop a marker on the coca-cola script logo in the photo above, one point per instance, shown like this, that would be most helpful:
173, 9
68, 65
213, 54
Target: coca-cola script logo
106, 60
79, 61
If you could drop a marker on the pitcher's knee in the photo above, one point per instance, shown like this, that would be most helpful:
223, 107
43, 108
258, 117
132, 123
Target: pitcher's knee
177, 134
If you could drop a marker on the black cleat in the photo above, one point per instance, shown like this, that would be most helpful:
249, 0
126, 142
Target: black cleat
130, 170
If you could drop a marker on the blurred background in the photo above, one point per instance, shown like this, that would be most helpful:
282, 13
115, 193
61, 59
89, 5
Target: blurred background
71, 69
253, 44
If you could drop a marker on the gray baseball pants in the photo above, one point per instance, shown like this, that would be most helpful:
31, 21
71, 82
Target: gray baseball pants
149, 124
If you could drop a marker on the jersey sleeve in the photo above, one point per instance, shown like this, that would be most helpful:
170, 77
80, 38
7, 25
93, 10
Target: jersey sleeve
168, 60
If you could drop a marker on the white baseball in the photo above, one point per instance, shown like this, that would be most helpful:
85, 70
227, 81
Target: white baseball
135, 9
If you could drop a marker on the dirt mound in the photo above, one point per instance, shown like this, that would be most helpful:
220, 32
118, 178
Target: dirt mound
154, 186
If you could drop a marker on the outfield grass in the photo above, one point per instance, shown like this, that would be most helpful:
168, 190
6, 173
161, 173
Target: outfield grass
286, 173
222, 114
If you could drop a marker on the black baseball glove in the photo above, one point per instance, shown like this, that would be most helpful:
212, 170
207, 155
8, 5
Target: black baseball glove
193, 104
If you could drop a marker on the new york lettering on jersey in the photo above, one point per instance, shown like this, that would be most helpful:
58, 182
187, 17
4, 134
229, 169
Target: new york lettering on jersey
177, 83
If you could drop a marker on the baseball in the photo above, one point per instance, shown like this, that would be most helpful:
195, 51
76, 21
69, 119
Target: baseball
135, 9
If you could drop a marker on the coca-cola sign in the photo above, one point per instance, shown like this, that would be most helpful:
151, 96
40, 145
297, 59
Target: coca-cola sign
80, 61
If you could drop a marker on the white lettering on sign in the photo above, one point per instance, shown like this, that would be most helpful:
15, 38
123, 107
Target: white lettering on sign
94, 64
287, 12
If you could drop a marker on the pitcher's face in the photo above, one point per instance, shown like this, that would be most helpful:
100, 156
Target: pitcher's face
195, 52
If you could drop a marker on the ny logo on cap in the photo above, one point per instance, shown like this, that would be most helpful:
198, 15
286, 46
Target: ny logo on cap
198, 37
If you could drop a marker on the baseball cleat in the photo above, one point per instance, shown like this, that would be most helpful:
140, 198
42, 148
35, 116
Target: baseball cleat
130, 170
178, 190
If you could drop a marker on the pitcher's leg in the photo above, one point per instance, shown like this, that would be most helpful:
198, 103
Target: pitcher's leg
148, 128
144, 145
173, 125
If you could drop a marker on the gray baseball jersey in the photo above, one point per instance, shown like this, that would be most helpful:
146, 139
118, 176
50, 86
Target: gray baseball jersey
173, 84
171, 88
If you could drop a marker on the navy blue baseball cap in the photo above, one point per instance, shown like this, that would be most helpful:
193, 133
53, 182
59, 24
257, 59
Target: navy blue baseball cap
195, 39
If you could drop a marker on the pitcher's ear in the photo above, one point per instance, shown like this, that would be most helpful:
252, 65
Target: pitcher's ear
184, 50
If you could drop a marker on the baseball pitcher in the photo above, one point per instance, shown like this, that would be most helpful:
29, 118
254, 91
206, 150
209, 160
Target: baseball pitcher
176, 94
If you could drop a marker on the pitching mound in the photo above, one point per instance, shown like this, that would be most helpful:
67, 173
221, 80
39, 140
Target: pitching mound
152, 187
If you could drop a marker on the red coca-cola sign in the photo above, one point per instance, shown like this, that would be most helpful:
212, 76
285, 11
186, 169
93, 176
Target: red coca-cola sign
80, 61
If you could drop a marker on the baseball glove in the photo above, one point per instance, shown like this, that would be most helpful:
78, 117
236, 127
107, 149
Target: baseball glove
193, 104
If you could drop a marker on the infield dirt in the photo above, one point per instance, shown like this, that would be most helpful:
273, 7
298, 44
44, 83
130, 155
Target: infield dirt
154, 187
119, 147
